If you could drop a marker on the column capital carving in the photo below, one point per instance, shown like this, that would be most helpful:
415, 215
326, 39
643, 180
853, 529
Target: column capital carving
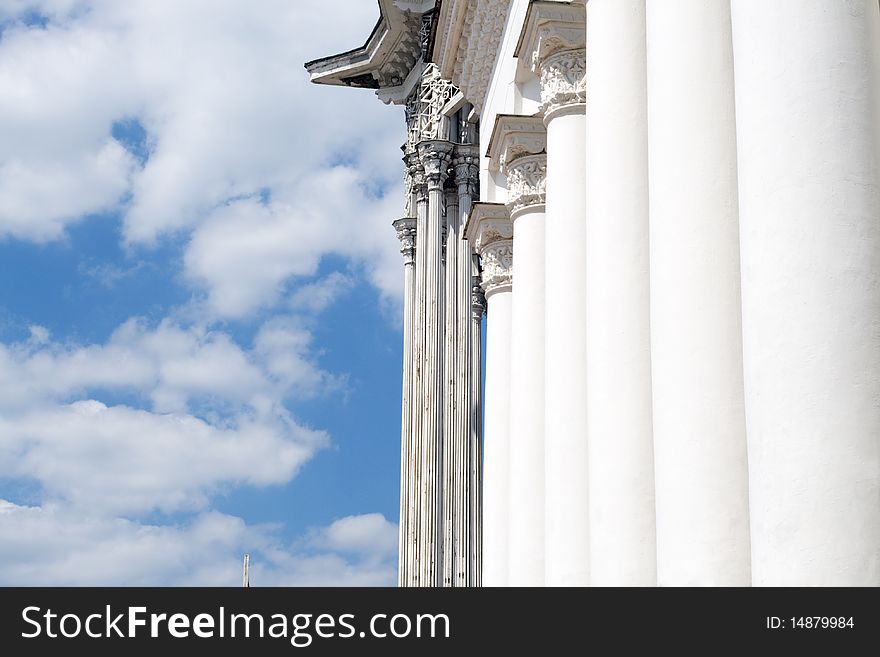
526, 183
466, 164
552, 46
406, 233
518, 149
435, 155
490, 232
478, 300
415, 176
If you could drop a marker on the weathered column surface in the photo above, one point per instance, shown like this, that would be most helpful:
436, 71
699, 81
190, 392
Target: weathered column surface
406, 233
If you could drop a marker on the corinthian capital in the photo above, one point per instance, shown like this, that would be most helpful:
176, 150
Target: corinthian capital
478, 299
552, 47
526, 182
415, 176
435, 156
406, 233
490, 232
563, 82
466, 163
518, 149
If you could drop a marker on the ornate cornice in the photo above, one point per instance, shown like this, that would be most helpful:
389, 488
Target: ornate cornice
391, 52
490, 232
552, 46
406, 233
469, 34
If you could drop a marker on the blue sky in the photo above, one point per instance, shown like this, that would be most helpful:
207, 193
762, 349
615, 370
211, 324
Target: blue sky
200, 301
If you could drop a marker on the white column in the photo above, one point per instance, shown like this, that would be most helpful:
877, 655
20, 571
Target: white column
406, 233
553, 43
434, 155
468, 401
490, 233
808, 129
454, 437
696, 339
517, 147
475, 452
414, 494
619, 423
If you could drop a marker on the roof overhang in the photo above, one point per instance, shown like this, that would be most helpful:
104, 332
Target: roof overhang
387, 58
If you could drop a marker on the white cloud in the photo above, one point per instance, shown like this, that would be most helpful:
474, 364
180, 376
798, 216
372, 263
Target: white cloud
229, 113
216, 418
53, 546
123, 460
369, 534
262, 176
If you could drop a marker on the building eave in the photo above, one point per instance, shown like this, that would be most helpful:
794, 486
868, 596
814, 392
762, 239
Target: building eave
388, 56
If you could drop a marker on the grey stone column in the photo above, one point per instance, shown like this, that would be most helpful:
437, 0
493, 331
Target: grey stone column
434, 156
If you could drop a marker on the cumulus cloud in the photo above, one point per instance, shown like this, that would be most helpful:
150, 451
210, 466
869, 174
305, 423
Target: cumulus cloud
268, 172
123, 460
369, 534
216, 415
261, 177
53, 546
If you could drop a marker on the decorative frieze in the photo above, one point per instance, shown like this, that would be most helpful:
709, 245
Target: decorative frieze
468, 39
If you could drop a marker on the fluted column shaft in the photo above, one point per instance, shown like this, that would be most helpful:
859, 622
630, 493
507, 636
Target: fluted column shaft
434, 156
453, 434
475, 443
406, 233
468, 423
415, 492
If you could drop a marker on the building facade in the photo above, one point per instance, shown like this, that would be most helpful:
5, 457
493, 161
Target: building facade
683, 377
